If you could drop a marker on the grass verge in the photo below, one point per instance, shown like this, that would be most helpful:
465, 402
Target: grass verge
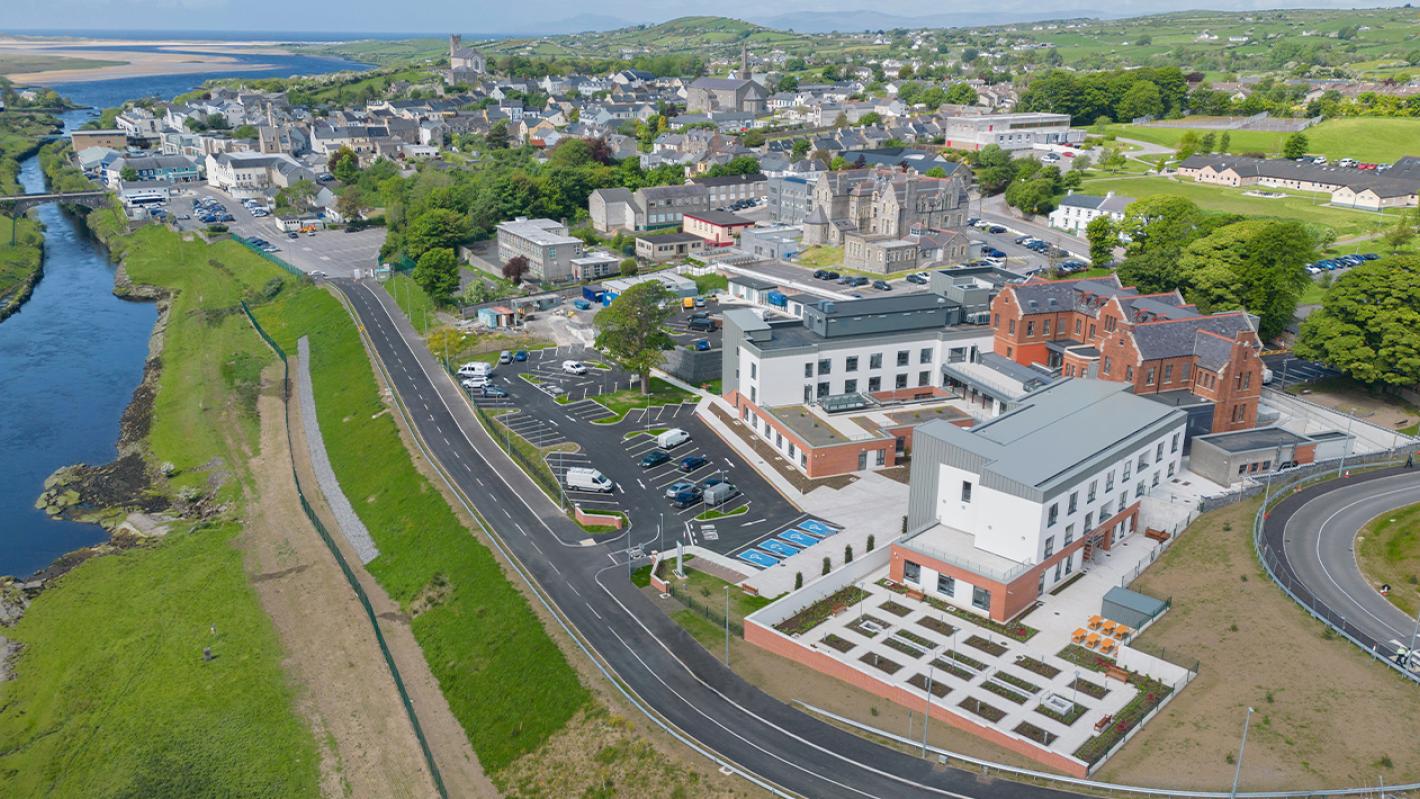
1388, 551
619, 403
505, 680
411, 298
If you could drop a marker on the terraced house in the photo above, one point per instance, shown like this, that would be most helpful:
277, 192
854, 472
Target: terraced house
1207, 364
1372, 189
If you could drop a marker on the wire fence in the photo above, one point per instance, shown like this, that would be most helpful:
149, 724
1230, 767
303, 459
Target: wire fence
250, 245
334, 549
1274, 561
707, 610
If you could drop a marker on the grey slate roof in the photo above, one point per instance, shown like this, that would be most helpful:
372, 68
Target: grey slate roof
1172, 339
1212, 351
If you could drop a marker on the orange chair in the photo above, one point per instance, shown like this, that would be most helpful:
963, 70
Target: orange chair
1079, 635
1093, 640
1095, 622
1121, 632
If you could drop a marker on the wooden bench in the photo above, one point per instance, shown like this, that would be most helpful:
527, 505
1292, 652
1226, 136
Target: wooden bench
1157, 535
1103, 723
913, 593
1115, 672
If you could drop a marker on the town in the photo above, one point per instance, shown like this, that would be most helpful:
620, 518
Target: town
911, 399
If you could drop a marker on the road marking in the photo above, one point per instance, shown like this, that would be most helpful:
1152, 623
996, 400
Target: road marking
594, 611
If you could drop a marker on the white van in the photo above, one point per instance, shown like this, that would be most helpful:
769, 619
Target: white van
672, 438
583, 479
476, 369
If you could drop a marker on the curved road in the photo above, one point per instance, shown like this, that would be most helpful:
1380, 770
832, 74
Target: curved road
1314, 532
659, 662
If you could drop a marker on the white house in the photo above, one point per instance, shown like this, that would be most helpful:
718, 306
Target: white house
1076, 211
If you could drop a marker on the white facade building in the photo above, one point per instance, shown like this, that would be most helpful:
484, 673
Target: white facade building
1077, 211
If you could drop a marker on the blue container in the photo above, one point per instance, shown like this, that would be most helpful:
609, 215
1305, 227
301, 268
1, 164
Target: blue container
777, 299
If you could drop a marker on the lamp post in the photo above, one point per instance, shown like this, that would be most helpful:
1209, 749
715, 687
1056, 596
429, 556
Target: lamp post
1350, 417
927, 707
727, 626
1237, 773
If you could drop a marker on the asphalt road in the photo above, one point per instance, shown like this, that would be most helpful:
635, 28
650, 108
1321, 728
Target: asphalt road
667, 670
1288, 370
1315, 533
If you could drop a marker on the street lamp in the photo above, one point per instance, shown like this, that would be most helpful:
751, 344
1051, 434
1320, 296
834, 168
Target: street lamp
927, 707
1350, 417
727, 626
1237, 773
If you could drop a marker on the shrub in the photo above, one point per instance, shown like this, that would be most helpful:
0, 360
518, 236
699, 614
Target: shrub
827, 566
872, 542
798, 580
847, 553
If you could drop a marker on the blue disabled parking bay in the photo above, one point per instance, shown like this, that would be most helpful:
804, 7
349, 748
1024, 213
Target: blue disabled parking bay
796, 537
779, 548
758, 558
817, 527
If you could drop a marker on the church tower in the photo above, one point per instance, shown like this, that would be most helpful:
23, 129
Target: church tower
745, 74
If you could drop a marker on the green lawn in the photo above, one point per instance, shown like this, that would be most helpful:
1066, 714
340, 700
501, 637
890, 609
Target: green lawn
112, 696
505, 680
411, 299
18, 261
1388, 551
820, 256
620, 402
707, 589
1302, 207
1378, 139
716, 513
714, 281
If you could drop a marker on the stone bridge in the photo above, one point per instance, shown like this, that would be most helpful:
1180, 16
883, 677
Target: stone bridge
14, 205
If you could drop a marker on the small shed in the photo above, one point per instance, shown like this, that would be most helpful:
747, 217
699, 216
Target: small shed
496, 316
1131, 608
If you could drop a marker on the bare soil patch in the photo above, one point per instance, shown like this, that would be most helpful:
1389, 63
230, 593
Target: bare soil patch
1325, 711
1345, 395
368, 747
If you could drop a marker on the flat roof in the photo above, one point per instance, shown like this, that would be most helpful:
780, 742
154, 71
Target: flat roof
670, 238
753, 282
1254, 439
721, 218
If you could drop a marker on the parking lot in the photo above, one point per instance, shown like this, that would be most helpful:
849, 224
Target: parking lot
334, 252
756, 512
679, 326
1290, 371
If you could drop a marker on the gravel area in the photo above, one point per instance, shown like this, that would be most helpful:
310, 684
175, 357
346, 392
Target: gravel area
350, 525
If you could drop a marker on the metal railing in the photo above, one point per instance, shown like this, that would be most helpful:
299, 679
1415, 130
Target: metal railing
335, 552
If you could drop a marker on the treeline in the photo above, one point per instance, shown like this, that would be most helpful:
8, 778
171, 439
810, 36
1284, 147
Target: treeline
1119, 95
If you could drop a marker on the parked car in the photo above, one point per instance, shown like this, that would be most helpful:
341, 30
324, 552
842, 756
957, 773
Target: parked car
820, 274
505, 357
495, 392
855, 282
916, 279
574, 367
702, 345
655, 457
882, 285
996, 229
701, 322
677, 487
475, 383
992, 252
475, 369
692, 462
688, 497
520, 356
581, 304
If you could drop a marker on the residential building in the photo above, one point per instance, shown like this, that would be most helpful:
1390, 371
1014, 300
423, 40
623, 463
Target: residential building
164, 168
718, 228
1077, 211
646, 208
792, 381
884, 201
789, 198
138, 123
546, 245
668, 246
727, 189
1209, 364
1010, 132
1001, 512
254, 174
1371, 189
885, 253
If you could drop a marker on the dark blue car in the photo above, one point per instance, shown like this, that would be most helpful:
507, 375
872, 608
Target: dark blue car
655, 457
692, 462
520, 355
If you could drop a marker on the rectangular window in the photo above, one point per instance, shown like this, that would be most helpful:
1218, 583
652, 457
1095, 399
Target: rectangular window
1143, 460
1069, 564
1090, 495
901, 381
1053, 515
1128, 469
1077, 327
808, 370
1155, 481
825, 366
1069, 534
1089, 521
1109, 481
925, 355
997, 323
822, 390
924, 378
1149, 377
1247, 380
1128, 374
753, 370
875, 361
1058, 565
980, 598
850, 386
1107, 363
850, 364
1030, 329
1168, 372
875, 384
1045, 327
1173, 447
1183, 371
1050, 546
902, 356
946, 585
911, 572
1074, 502
1171, 465
966, 491
1011, 327
1159, 452
1139, 489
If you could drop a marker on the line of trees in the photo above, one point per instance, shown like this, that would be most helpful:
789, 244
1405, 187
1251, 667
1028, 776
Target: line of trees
1119, 94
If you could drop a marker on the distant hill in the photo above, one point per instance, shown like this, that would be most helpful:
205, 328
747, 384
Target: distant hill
867, 20
583, 23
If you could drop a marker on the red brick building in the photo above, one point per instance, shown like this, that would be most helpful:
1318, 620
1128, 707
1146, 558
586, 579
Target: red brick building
1165, 348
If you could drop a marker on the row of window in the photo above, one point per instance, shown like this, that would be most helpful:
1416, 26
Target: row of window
1052, 514
875, 361
946, 585
1044, 327
875, 384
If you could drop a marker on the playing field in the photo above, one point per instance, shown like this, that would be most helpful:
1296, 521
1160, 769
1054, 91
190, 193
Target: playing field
1376, 139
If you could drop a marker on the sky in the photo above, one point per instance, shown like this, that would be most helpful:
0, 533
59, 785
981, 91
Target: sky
483, 16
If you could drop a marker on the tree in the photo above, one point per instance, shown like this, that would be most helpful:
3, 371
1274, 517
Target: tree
1225, 142
1257, 264
245, 132
434, 228
1208, 142
1367, 321
1103, 238
788, 83
994, 169
128, 174
1082, 163
629, 267
936, 172
799, 149
437, 272
1399, 235
1295, 146
1035, 196
632, 330
350, 202
217, 122
298, 196
1142, 99
515, 268
872, 543
827, 565
870, 118
497, 138
1158, 229
1112, 160
847, 553
798, 580
344, 164
960, 94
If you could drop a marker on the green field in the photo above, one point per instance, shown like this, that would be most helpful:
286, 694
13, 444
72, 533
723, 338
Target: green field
113, 697
1388, 551
1299, 206
504, 679
413, 301
18, 261
1377, 139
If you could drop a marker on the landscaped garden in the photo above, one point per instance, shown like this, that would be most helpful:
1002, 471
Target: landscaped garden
821, 611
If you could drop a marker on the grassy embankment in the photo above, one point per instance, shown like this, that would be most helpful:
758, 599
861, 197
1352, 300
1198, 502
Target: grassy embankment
19, 262
1388, 551
505, 680
112, 696
412, 299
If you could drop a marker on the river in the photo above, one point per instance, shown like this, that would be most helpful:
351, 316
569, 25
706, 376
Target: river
73, 354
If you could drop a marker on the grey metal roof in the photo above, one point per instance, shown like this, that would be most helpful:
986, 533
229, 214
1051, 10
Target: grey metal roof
1254, 439
1056, 435
753, 283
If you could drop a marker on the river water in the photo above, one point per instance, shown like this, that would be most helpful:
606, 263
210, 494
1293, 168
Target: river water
73, 354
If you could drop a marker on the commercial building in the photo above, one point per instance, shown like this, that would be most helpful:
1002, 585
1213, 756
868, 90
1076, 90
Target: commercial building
669, 246
726, 189
802, 384
772, 242
1001, 512
1010, 132
646, 208
253, 174
161, 168
789, 198
595, 266
718, 228
1077, 211
112, 139
546, 245
1372, 189
1228, 458
1209, 364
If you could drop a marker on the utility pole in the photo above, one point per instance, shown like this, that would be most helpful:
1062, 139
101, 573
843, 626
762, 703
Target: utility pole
1237, 773
727, 626
1350, 417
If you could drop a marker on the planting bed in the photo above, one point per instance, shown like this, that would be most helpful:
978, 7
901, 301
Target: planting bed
939, 689
820, 611
973, 705
881, 663
937, 626
1035, 733
989, 647
841, 644
1034, 666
